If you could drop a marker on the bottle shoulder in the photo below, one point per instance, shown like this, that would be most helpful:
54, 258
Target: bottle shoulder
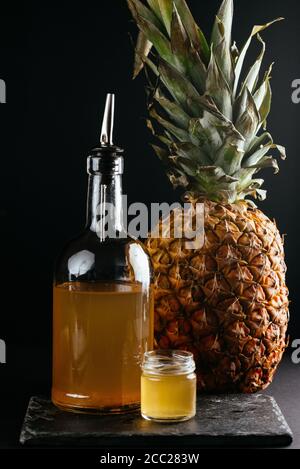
87, 258
89, 241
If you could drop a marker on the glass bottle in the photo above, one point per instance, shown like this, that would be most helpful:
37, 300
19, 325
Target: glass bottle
102, 308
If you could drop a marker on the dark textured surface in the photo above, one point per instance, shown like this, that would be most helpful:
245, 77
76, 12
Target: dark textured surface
26, 382
221, 420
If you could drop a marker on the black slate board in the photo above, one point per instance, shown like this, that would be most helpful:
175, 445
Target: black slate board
229, 420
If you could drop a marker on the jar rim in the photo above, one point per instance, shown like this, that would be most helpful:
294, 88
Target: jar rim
168, 362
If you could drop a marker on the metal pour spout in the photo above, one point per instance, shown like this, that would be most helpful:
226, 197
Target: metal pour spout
108, 121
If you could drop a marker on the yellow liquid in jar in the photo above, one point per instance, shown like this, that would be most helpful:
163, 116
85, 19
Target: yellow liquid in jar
100, 332
168, 397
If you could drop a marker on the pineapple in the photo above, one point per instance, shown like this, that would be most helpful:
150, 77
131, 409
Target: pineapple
228, 301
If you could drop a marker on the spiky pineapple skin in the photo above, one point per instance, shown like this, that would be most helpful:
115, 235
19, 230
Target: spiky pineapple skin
227, 302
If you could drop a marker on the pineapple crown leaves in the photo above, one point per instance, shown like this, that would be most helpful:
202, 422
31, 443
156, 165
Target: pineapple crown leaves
210, 121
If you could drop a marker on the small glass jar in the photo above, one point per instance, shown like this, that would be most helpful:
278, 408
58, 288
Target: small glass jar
168, 386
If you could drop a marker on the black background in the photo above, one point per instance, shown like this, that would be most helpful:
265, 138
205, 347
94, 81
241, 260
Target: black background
58, 63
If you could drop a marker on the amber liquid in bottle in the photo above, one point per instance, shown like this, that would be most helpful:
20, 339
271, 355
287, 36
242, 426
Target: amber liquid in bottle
102, 299
101, 356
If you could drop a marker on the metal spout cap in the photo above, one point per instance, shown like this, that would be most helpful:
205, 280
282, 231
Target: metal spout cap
107, 130
106, 158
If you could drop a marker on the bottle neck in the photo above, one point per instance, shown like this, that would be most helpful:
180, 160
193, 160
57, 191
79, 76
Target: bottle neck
105, 206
